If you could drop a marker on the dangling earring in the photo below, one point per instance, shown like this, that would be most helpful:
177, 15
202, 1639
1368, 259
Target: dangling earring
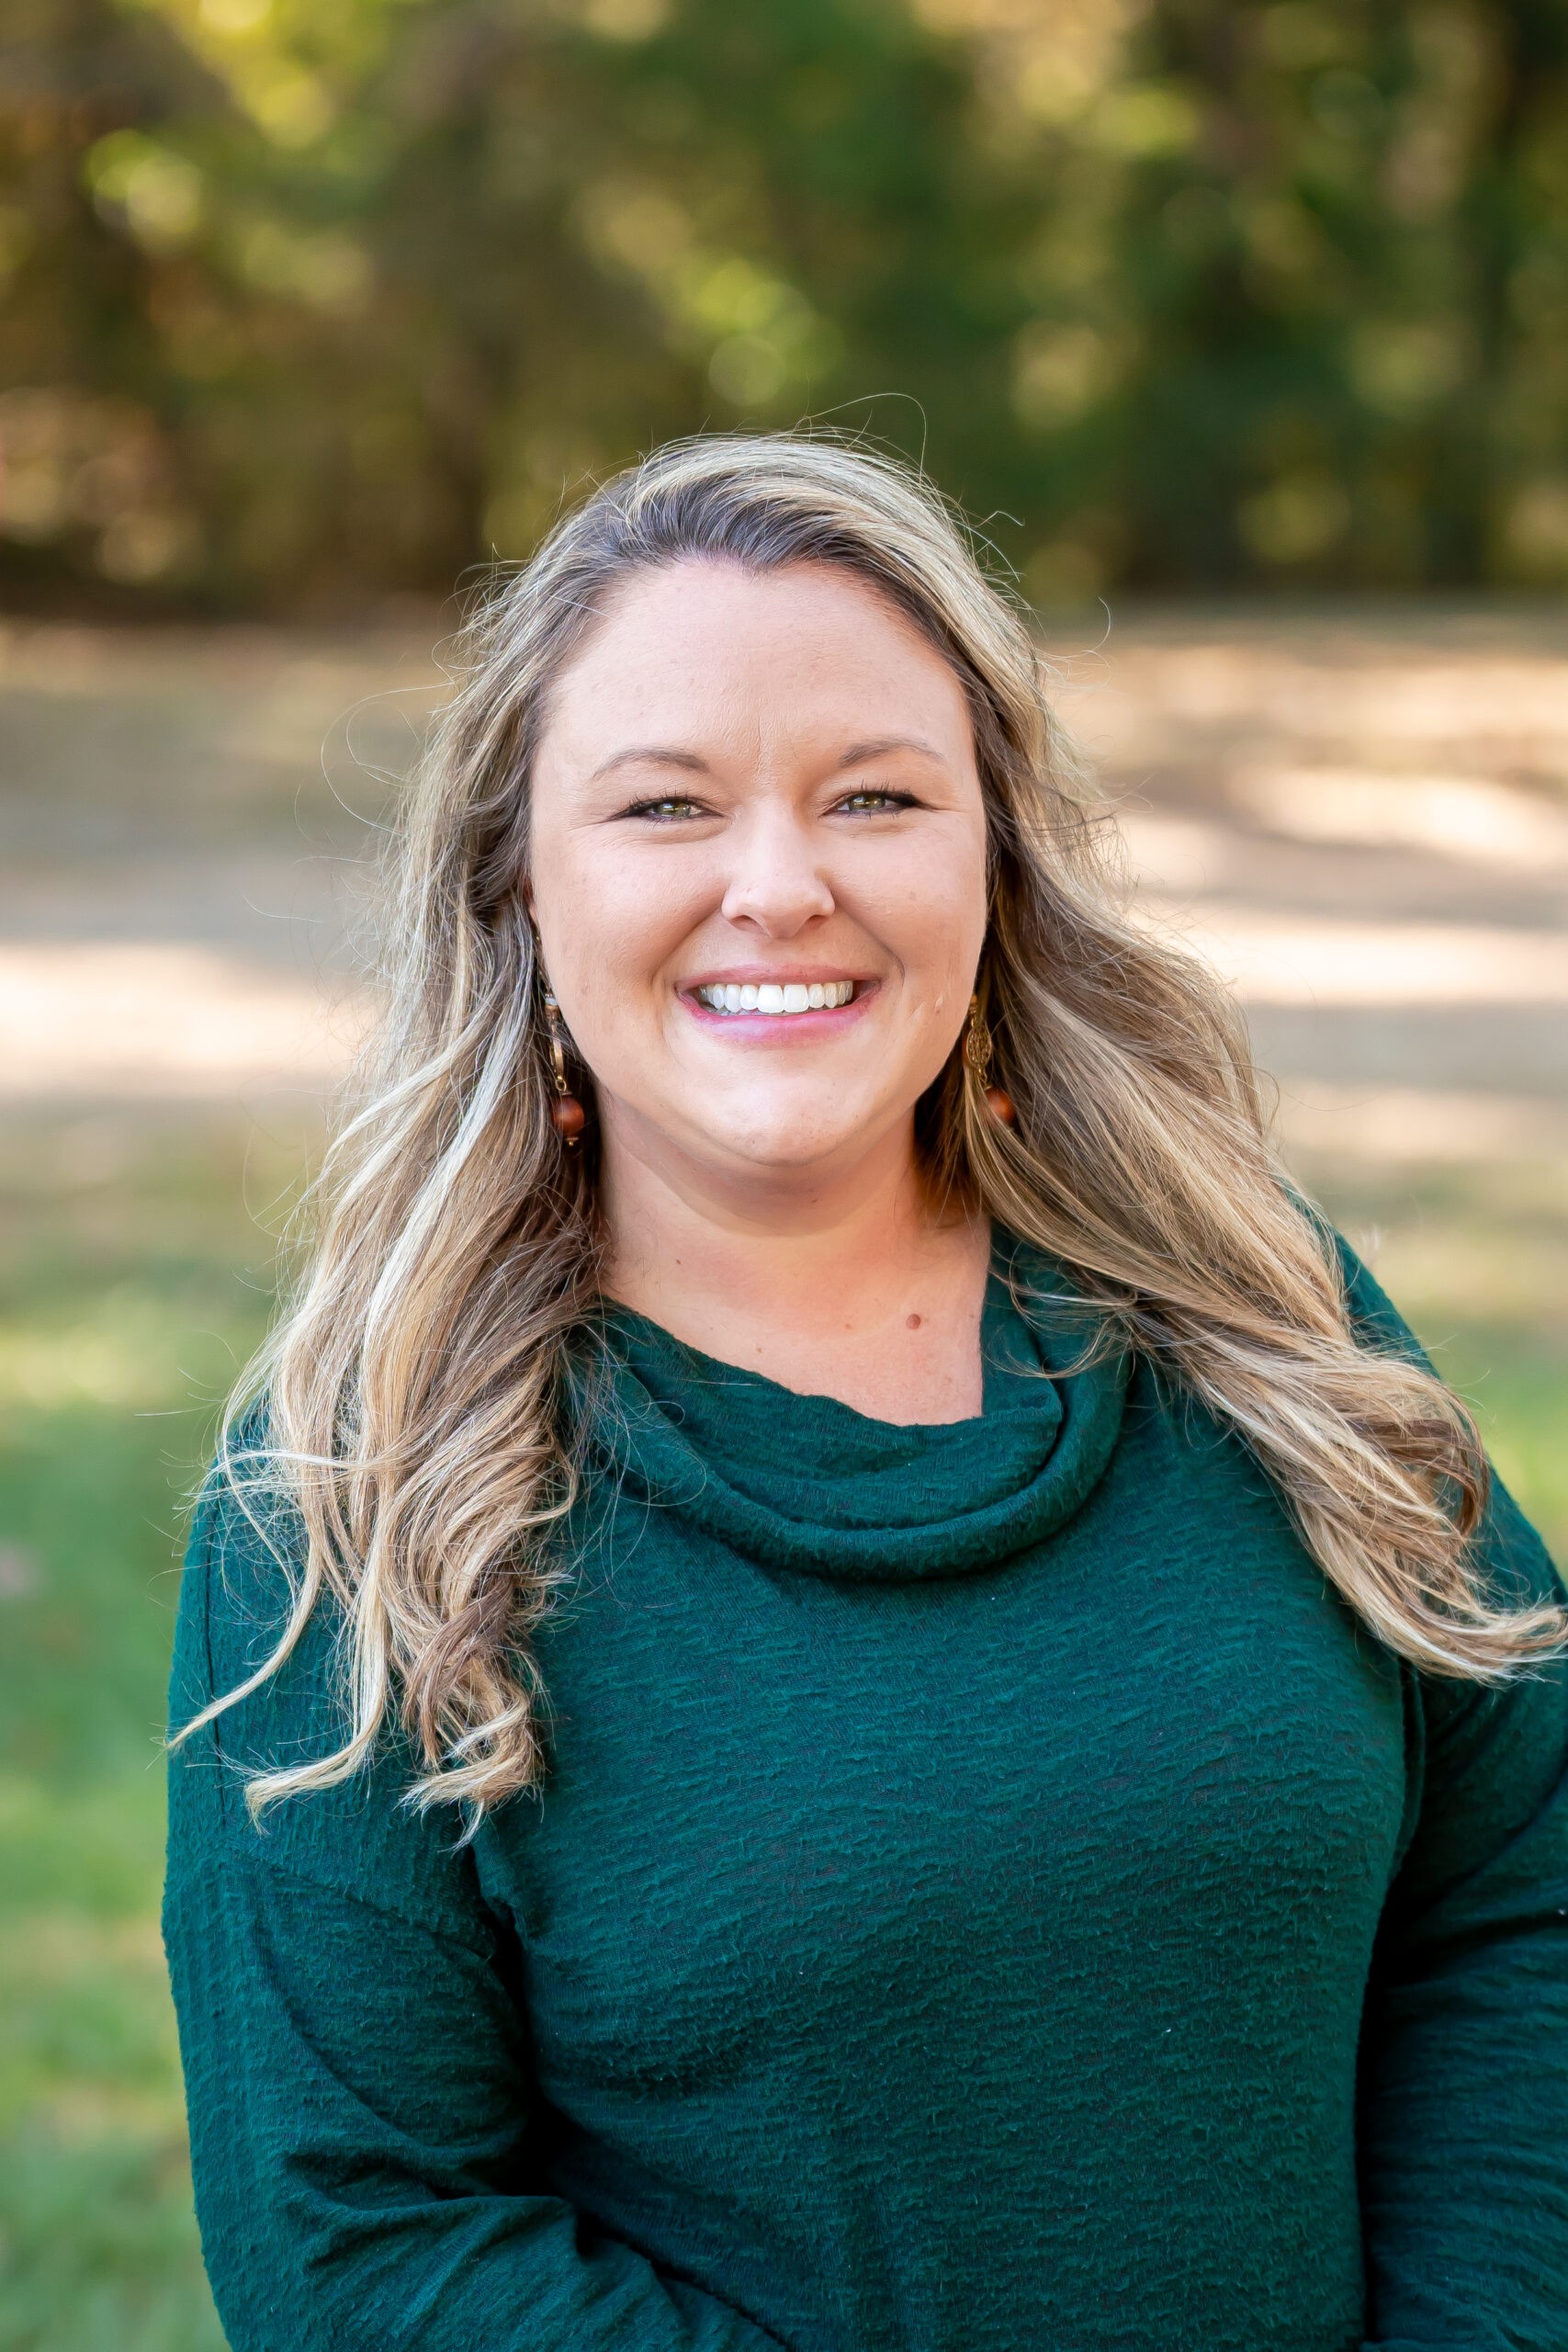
977, 1061
566, 1111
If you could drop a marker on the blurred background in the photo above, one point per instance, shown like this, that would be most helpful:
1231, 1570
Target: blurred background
1241, 330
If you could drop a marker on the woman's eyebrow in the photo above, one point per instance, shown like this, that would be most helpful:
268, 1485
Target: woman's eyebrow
669, 755
877, 747
650, 755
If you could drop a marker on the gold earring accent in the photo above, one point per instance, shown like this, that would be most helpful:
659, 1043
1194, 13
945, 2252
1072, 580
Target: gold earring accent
978, 1044
566, 1112
977, 1061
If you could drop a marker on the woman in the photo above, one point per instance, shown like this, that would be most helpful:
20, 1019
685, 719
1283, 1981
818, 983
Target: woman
844, 1687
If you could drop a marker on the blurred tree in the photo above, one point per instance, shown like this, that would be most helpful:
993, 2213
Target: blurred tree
311, 297
89, 409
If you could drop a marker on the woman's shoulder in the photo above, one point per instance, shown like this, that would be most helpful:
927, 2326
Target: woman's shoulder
247, 1564
1374, 1317
246, 1556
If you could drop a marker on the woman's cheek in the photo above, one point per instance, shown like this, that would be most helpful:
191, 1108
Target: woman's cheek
628, 919
930, 915
614, 960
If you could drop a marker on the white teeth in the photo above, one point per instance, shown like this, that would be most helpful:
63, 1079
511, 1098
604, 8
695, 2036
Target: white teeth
774, 997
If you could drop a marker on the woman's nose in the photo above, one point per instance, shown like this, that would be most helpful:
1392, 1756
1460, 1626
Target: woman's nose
776, 884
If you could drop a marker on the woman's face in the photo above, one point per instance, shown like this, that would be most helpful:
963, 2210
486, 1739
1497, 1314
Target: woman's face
758, 866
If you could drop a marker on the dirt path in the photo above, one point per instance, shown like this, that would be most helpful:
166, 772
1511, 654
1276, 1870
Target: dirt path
1361, 818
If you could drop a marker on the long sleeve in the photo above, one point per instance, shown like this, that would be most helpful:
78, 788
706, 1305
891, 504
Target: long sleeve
363, 2127
1464, 2106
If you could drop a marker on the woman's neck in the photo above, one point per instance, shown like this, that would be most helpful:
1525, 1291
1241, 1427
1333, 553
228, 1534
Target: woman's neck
847, 1286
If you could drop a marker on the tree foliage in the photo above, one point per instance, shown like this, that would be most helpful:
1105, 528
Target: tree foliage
308, 298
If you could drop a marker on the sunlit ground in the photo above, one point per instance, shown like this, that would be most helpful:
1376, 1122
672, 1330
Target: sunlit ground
1364, 820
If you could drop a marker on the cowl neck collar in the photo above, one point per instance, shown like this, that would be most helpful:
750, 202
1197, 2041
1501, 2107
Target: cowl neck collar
807, 1484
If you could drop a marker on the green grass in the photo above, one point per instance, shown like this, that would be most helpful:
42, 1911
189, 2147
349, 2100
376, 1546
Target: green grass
1520, 1397
124, 1308
132, 1281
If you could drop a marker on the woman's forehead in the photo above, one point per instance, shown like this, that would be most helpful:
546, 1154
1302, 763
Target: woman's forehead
807, 650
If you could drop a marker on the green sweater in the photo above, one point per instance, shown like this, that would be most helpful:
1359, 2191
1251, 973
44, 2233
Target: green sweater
988, 1896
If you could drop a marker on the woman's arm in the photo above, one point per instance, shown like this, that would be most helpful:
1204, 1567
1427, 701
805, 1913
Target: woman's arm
1464, 2105
1464, 2120
354, 2052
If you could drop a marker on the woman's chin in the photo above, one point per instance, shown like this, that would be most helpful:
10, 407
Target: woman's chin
780, 1120
773, 1152
785, 1139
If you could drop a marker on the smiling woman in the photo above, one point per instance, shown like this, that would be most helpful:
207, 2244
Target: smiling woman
821, 1702
806, 821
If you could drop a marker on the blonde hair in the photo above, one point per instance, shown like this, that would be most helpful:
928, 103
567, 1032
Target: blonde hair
412, 1404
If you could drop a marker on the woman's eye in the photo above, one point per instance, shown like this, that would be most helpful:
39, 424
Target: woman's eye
671, 810
874, 802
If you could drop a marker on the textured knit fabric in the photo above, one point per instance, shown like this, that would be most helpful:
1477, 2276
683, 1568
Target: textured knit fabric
988, 1894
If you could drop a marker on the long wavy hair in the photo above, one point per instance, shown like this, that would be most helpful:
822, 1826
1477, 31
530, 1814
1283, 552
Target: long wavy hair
411, 1407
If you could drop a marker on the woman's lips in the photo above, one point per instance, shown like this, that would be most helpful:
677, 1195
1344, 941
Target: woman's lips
777, 1011
774, 997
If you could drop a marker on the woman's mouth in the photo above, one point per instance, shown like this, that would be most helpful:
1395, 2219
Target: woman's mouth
773, 997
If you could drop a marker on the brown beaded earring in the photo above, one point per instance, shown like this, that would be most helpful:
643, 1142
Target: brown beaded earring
566, 1112
977, 1061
